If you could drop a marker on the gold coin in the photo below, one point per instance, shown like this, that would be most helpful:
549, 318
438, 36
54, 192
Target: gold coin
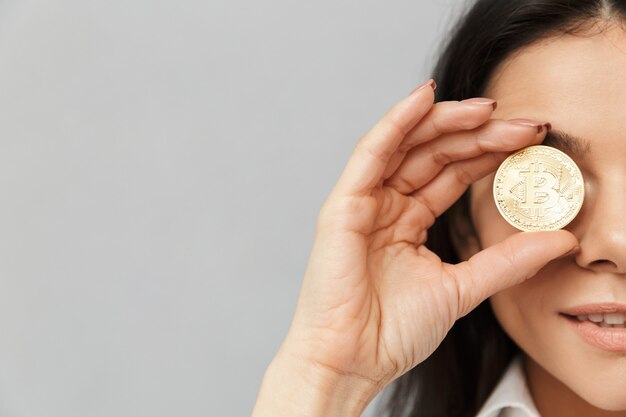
538, 188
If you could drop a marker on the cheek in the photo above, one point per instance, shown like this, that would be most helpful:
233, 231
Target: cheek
524, 313
517, 309
521, 309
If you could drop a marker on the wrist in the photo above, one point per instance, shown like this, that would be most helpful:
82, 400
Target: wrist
295, 387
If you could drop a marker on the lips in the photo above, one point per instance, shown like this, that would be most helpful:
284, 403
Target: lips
612, 339
593, 323
598, 308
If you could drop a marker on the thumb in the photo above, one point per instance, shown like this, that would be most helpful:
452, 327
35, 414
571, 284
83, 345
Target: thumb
507, 263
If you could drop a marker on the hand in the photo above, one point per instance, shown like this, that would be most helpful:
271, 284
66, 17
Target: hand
375, 301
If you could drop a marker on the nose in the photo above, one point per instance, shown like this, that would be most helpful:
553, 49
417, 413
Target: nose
601, 228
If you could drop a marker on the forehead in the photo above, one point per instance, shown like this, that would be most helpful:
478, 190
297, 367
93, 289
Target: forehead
577, 83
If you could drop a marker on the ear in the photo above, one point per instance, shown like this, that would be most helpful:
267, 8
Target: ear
463, 235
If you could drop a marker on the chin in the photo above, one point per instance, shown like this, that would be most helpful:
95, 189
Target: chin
601, 381
596, 375
564, 359
604, 397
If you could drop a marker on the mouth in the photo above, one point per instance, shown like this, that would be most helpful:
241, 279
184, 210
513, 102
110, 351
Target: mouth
603, 314
606, 320
604, 331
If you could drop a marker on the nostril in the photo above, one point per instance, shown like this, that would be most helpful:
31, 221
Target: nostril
603, 264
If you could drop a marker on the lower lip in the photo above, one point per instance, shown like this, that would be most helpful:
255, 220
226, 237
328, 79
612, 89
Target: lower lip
612, 339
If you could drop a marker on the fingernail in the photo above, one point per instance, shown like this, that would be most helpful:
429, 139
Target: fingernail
430, 82
574, 250
538, 125
481, 101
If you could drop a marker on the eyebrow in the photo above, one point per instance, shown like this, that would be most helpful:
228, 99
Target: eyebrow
574, 146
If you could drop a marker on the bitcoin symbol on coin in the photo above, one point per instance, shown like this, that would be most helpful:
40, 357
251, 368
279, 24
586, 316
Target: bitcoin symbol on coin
540, 192
538, 188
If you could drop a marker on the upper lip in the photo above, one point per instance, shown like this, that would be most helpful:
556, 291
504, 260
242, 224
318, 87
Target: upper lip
599, 308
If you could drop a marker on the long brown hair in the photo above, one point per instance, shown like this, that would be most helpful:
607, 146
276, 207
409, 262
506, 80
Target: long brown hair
457, 378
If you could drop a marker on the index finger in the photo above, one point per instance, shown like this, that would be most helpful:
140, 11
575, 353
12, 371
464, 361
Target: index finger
373, 151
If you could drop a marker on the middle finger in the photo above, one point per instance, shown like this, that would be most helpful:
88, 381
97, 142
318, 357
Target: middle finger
425, 161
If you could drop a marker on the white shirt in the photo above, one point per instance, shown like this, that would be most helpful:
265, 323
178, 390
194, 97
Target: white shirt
511, 396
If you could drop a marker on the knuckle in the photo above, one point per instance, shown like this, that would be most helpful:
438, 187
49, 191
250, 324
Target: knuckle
459, 121
400, 183
327, 214
393, 121
365, 148
337, 213
436, 125
427, 205
440, 157
463, 175
509, 255
473, 289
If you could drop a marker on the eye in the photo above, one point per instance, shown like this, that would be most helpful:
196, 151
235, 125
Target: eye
590, 188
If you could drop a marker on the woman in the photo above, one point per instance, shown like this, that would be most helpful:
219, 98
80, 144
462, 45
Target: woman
415, 280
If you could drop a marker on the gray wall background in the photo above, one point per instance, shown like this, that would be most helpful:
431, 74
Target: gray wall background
161, 169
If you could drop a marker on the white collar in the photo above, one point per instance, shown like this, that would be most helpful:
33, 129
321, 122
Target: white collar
511, 396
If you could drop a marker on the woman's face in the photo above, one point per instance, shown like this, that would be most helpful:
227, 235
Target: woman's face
578, 84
